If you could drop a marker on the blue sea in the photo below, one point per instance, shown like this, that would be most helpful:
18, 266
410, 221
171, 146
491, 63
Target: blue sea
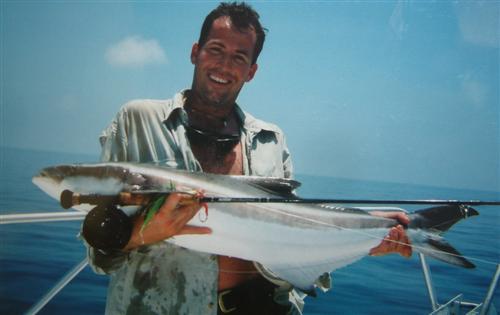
33, 257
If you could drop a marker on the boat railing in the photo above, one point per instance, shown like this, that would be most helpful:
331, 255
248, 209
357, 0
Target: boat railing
456, 305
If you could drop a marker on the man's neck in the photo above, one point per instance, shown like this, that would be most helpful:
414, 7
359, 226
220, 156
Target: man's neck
218, 119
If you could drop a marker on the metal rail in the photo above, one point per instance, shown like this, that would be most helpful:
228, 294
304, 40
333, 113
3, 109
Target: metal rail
41, 217
428, 282
491, 290
455, 305
57, 287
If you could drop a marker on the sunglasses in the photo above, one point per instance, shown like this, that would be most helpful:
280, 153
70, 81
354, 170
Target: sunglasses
223, 143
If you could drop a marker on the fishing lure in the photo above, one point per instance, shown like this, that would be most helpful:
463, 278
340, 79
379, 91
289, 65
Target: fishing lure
156, 205
152, 210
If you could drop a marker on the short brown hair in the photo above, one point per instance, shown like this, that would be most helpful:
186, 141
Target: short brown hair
242, 16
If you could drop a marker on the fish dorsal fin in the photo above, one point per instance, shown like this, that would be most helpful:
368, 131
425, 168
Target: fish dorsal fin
283, 187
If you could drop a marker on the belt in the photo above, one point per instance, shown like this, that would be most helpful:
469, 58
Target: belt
255, 296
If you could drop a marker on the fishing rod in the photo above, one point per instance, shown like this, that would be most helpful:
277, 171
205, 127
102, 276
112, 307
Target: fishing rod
69, 199
348, 201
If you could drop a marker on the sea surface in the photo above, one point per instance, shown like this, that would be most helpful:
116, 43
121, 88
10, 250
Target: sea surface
33, 257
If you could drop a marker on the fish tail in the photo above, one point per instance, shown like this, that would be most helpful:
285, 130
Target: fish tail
427, 225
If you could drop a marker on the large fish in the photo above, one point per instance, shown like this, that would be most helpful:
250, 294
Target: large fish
297, 242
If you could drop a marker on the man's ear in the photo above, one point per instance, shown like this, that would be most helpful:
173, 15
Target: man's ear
251, 73
194, 53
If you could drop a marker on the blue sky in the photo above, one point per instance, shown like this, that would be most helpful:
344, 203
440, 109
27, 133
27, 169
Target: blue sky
398, 91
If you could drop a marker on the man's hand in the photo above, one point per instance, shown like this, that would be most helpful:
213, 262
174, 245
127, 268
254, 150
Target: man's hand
396, 241
170, 220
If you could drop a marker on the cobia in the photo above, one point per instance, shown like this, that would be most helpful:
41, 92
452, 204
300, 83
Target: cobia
296, 242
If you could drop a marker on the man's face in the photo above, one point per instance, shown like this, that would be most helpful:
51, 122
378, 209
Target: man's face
223, 64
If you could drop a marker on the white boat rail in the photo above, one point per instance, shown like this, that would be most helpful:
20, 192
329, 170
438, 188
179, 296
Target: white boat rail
456, 306
41, 217
57, 287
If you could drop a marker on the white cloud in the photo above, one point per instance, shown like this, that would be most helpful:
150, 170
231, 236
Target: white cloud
135, 51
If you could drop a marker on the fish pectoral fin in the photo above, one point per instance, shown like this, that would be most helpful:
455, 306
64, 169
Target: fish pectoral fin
324, 282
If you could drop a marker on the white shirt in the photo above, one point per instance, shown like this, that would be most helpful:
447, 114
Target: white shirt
164, 278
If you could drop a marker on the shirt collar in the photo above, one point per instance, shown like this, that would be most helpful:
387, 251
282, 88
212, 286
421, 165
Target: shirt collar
249, 123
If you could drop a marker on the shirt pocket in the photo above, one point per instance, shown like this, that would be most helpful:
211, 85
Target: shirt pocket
266, 156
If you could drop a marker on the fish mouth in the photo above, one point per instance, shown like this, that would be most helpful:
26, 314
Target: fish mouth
47, 184
50, 177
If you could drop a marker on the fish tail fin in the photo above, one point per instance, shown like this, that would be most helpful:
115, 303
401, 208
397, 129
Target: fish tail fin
428, 224
435, 246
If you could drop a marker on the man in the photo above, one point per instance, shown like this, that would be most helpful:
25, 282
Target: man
201, 129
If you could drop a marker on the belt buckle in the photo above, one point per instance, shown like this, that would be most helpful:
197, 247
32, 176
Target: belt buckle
221, 302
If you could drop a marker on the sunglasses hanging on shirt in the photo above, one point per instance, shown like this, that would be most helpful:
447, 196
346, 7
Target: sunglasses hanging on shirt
223, 143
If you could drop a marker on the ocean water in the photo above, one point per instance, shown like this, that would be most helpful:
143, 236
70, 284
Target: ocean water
33, 257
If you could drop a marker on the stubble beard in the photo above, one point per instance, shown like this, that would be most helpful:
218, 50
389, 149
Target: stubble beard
215, 101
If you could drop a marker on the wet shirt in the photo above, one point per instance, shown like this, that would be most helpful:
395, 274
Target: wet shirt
164, 278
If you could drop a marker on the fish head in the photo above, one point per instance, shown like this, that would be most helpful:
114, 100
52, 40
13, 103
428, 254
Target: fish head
84, 179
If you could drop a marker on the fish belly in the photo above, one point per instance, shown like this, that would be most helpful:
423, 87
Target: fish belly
296, 254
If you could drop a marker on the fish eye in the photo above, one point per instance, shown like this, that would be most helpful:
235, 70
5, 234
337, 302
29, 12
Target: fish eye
135, 180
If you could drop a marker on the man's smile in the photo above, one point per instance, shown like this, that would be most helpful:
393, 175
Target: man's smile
218, 79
